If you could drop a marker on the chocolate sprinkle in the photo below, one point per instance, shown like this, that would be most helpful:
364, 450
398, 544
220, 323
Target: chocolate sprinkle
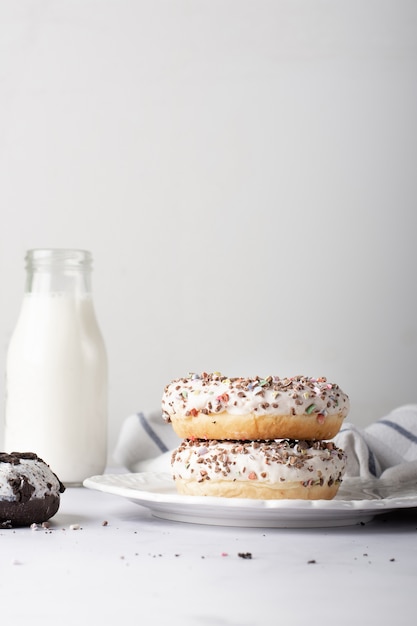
245, 555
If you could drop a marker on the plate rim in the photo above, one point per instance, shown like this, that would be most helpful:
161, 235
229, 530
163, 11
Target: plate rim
112, 483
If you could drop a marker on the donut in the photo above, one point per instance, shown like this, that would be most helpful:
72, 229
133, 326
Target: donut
213, 406
29, 490
279, 469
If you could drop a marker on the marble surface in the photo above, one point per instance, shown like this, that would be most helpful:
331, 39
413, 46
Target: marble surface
107, 560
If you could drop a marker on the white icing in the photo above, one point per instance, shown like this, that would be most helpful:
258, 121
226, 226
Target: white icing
271, 462
214, 393
38, 474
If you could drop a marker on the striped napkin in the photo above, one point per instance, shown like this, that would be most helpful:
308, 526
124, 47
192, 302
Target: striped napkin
145, 443
386, 450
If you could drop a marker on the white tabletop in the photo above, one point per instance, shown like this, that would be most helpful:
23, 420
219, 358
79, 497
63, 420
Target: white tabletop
106, 560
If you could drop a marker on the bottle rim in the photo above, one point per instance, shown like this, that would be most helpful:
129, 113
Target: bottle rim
40, 257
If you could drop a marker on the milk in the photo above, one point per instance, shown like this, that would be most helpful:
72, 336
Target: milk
56, 385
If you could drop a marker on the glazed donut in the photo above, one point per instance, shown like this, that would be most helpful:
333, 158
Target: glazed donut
282, 469
212, 406
29, 490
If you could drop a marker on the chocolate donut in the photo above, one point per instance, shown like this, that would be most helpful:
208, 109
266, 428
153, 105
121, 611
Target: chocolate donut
29, 490
281, 469
213, 406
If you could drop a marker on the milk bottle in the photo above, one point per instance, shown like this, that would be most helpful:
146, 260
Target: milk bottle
56, 370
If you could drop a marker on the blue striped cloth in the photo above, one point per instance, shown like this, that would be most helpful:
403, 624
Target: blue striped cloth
387, 449
145, 443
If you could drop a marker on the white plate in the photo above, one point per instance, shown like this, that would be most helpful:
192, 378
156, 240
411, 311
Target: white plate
356, 502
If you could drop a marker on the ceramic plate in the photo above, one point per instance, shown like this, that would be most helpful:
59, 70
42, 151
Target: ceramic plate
356, 502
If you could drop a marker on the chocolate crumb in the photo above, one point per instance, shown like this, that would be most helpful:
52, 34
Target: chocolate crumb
245, 555
312, 561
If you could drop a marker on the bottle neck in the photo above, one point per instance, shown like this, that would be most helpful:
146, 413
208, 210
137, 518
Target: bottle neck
58, 271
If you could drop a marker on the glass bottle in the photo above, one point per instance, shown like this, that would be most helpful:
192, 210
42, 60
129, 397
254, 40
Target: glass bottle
56, 369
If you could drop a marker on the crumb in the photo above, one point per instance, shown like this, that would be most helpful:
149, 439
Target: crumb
312, 561
74, 527
245, 555
6, 524
105, 523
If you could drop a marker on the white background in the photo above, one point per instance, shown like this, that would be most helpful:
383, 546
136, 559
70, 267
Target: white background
244, 174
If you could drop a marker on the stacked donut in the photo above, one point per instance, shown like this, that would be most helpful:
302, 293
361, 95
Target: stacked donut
264, 438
